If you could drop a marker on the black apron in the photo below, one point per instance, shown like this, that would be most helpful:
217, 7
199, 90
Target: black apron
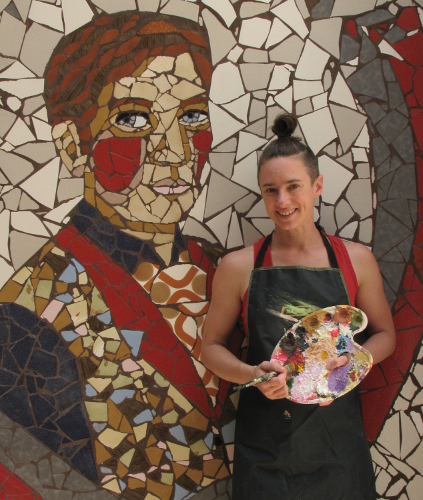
286, 450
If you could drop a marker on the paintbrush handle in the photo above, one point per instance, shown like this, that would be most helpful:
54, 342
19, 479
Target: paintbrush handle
258, 380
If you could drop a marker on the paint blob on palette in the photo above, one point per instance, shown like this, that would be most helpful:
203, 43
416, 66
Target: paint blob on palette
316, 339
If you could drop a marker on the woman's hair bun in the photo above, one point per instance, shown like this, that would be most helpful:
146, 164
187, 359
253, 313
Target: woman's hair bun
284, 126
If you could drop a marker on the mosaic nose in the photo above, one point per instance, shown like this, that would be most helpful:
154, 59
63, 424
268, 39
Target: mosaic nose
169, 146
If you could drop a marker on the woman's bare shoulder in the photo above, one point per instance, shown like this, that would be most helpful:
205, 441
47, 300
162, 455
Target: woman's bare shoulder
234, 269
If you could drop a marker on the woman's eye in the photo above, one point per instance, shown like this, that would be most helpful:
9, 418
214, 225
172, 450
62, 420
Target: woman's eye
132, 119
192, 117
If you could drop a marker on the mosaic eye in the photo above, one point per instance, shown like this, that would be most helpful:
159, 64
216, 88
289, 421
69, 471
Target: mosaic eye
132, 119
193, 117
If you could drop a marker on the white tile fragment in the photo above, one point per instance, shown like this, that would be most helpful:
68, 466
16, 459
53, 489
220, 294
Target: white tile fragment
197, 211
239, 107
111, 6
396, 488
265, 225
320, 101
224, 8
278, 32
245, 173
23, 88
303, 89
42, 130
4, 234
341, 93
16, 71
382, 481
280, 78
44, 13
248, 143
59, 213
415, 487
348, 8
234, 235
285, 99
318, 129
387, 49
254, 32
19, 134
226, 84
312, 62
258, 210
408, 390
180, 8
148, 5
220, 225
409, 435
401, 404
42, 185
76, 13
416, 459
378, 458
418, 421
390, 436
326, 33
222, 41
223, 124
335, 179
12, 32
401, 466
288, 12
26, 221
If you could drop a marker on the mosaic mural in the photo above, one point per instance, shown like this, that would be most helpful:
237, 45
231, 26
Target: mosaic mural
129, 139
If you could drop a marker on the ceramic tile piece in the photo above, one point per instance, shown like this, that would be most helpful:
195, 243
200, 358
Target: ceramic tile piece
222, 194
278, 32
4, 234
194, 228
359, 195
43, 13
248, 143
14, 103
235, 239
239, 107
349, 124
408, 390
418, 421
402, 467
235, 54
304, 107
223, 124
245, 173
382, 481
285, 99
390, 436
16, 71
346, 8
318, 129
335, 179
69, 189
303, 89
11, 199
288, 12
280, 78
409, 436
223, 8
27, 222
76, 13
7, 119
255, 56
14, 167
252, 9
256, 76
59, 213
365, 233
343, 213
37, 48
181, 8
226, 84
288, 51
220, 225
111, 7
326, 33
43, 184
23, 8
341, 94
19, 134
312, 62
12, 32
416, 459
254, 32
222, 41
42, 130
415, 486
24, 246
23, 88
396, 488
250, 233
265, 226
148, 5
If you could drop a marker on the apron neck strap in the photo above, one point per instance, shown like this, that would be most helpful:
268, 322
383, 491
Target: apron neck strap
265, 245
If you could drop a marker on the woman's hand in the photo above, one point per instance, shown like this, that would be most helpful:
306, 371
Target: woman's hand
276, 387
338, 362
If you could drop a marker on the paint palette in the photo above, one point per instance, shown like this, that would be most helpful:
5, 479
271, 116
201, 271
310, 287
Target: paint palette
307, 346
313, 341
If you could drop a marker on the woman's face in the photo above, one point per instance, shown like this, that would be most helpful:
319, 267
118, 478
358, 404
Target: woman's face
151, 136
288, 191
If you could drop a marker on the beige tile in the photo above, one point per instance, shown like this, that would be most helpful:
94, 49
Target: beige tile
318, 129
43, 184
12, 32
390, 435
76, 13
235, 239
278, 32
223, 8
220, 225
409, 435
359, 195
26, 221
254, 32
226, 84
347, 8
245, 173
326, 33
312, 62
288, 51
222, 41
288, 12
223, 124
47, 14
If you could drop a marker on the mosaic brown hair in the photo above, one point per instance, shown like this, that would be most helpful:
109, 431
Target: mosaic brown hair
109, 48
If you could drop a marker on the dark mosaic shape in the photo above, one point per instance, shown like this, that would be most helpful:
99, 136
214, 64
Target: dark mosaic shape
404, 145
391, 126
375, 112
392, 272
350, 49
404, 184
368, 51
38, 392
379, 150
322, 10
389, 232
394, 35
388, 72
369, 81
377, 16
395, 95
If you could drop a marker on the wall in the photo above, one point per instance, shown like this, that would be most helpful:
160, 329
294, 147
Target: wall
102, 390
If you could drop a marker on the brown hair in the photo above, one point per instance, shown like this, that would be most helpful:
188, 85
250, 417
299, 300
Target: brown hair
287, 144
110, 48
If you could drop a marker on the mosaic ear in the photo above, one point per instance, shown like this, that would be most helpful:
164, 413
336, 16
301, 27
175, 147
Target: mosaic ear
67, 142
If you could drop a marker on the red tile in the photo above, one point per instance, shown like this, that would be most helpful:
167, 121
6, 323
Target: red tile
375, 36
406, 344
417, 124
352, 27
374, 380
406, 318
409, 19
376, 405
411, 49
418, 85
416, 300
404, 74
408, 278
419, 168
390, 371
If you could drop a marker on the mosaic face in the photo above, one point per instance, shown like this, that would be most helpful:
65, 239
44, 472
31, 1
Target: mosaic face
147, 135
